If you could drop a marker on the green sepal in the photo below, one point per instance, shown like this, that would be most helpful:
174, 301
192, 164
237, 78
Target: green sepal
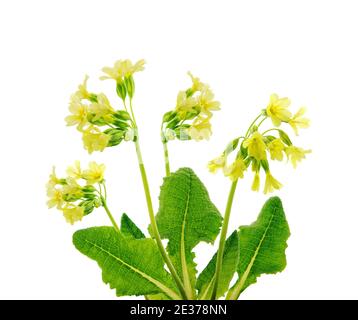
121, 90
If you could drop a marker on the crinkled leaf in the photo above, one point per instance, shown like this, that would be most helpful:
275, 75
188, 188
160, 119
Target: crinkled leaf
229, 267
262, 246
130, 230
132, 267
186, 217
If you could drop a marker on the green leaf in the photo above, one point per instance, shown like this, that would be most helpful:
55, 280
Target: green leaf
262, 246
229, 267
186, 217
132, 267
129, 228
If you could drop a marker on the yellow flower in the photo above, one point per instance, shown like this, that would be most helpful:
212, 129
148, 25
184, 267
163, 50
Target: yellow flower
217, 163
184, 104
276, 148
75, 171
296, 154
200, 129
207, 103
55, 197
72, 190
95, 140
82, 92
79, 113
94, 173
101, 109
53, 180
256, 183
298, 121
271, 183
197, 84
73, 213
235, 170
121, 69
277, 109
256, 146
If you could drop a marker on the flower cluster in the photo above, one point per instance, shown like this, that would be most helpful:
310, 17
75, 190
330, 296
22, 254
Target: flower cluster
256, 148
79, 193
191, 117
100, 124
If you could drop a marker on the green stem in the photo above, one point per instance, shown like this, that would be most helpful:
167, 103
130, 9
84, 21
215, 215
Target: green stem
166, 159
260, 123
132, 113
223, 235
272, 129
154, 223
104, 204
251, 125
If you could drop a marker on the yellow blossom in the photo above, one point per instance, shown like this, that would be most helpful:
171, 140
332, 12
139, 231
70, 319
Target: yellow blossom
200, 129
82, 92
78, 113
73, 213
277, 109
298, 121
72, 190
276, 148
53, 179
75, 171
217, 163
296, 154
207, 103
121, 69
256, 183
235, 170
256, 146
271, 183
95, 140
197, 84
101, 109
184, 104
94, 173
55, 197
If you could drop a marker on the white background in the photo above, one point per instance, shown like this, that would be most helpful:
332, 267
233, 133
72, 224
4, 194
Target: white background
306, 50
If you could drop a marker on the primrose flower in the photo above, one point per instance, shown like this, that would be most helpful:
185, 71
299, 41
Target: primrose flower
122, 69
95, 140
206, 102
82, 92
271, 183
73, 213
55, 197
276, 148
256, 183
297, 121
277, 109
217, 163
200, 129
75, 171
296, 154
184, 104
101, 109
78, 113
256, 146
72, 191
197, 84
94, 173
235, 170
53, 180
